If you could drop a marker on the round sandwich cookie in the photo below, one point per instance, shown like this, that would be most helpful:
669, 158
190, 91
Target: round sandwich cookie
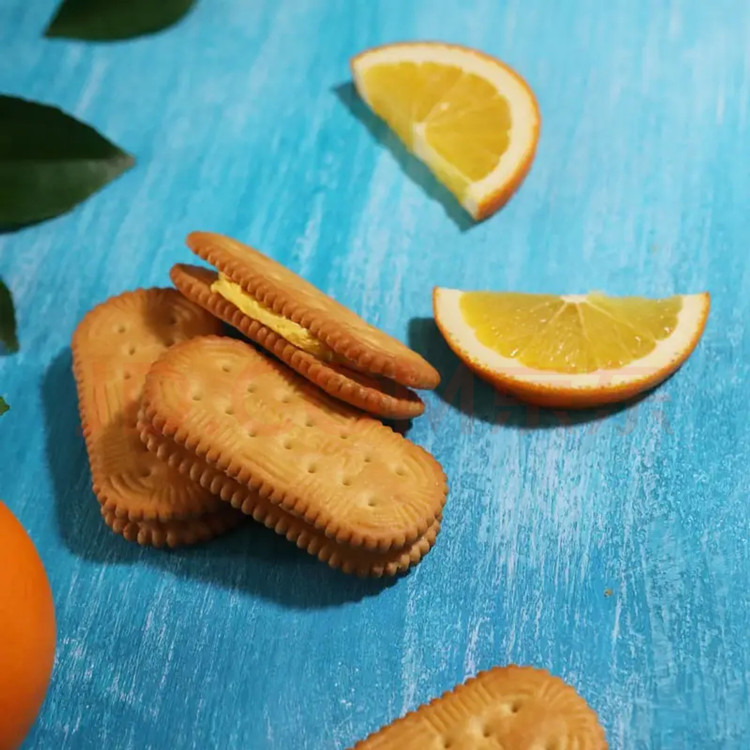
523, 708
320, 338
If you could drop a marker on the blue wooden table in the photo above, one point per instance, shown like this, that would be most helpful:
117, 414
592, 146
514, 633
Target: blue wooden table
609, 547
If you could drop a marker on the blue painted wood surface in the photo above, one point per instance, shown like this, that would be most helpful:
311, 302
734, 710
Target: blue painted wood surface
243, 121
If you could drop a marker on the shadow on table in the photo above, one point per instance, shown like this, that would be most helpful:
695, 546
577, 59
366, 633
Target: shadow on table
411, 166
251, 559
461, 389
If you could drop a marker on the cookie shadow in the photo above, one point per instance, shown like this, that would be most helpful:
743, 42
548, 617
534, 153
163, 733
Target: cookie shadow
251, 559
461, 389
412, 167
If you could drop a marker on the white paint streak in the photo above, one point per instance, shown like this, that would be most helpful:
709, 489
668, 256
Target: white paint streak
470, 661
307, 245
92, 88
410, 662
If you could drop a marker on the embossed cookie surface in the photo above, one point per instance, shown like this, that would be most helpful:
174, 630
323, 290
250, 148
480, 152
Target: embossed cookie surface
349, 559
113, 347
513, 708
363, 346
252, 418
382, 397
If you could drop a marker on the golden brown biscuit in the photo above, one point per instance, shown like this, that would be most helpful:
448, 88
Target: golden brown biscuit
176, 532
375, 395
113, 348
349, 559
345, 473
515, 708
356, 343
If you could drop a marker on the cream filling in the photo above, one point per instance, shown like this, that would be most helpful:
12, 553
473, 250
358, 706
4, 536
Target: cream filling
289, 330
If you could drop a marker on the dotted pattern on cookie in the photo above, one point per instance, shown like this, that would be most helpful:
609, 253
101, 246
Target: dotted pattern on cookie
283, 291
513, 708
343, 472
113, 348
338, 556
357, 389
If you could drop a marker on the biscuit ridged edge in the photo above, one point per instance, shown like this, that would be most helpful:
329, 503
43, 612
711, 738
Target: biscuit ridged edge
107, 504
201, 446
276, 519
172, 533
458, 696
319, 324
294, 505
331, 381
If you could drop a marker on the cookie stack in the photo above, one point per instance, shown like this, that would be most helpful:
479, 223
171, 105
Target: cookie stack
189, 432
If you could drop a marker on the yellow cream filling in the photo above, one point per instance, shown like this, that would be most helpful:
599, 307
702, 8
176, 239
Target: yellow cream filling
287, 329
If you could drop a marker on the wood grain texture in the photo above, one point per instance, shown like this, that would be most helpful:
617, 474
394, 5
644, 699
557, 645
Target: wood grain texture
244, 122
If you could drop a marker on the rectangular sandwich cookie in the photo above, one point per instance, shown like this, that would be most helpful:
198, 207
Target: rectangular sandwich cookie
353, 479
113, 348
344, 557
319, 338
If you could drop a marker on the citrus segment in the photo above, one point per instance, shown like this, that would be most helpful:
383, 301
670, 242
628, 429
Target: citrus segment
469, 117
573, 350
570, 334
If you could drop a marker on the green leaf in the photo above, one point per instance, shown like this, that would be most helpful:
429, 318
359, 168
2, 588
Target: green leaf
3, 406
49, 161
108, 20
8, 335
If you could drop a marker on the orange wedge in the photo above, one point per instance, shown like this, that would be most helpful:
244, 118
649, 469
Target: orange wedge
469, 117
572, 351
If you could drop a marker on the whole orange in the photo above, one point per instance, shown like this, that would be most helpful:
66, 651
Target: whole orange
27, 631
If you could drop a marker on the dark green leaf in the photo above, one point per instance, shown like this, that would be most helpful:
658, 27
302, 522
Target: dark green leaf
107, 20
8, 337
3, 406
49, 161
